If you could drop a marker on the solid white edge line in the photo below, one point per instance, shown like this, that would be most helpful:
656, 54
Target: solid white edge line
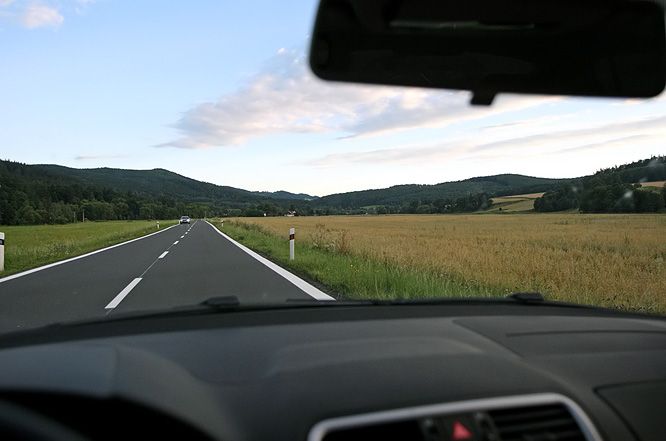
163, 254
71, 259
300, 283
122, 294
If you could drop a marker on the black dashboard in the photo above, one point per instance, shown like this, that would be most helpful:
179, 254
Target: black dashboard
452, 371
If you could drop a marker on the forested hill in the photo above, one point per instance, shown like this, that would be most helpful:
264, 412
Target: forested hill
31, 194
611, 190
54, 194
498, 185
159, 183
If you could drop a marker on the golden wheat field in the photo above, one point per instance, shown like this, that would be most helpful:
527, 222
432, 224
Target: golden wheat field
611, 260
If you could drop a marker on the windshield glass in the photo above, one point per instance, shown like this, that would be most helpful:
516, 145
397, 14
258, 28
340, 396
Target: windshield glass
159, 154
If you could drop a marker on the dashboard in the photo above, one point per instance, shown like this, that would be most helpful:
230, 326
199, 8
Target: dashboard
455, 371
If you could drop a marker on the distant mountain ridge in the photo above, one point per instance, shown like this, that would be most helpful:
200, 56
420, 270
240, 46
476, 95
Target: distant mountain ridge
495, 185
164, 183
160, 182
46, 193
54, 194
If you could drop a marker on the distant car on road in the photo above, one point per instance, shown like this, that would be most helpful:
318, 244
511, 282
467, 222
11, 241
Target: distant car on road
184, 219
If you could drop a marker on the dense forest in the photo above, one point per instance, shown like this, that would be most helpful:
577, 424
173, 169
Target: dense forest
611, 190
405, 195
35, 194
51, 194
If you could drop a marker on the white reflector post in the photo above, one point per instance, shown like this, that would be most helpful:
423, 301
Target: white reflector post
2, 252
292, 237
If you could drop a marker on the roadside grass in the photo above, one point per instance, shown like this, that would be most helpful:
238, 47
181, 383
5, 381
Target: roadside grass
349, 275
30, 246
612, 260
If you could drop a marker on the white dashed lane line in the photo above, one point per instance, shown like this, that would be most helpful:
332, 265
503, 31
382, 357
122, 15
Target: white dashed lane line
122, 294
119, 298
71, 259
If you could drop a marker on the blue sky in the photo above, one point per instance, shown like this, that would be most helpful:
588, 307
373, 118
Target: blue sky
220, 91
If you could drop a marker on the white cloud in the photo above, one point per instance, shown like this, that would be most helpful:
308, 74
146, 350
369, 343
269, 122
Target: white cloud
6, 2
554, 142
403, 155
569, 140
286, 98
37, 16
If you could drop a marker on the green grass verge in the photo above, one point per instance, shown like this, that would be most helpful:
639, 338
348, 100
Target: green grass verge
351, 276
29, 246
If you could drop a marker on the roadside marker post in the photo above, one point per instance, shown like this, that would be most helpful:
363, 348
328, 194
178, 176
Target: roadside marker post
2, 252
158, 225
292, 237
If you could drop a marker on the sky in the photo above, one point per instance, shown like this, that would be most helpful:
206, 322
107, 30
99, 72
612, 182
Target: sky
220, 91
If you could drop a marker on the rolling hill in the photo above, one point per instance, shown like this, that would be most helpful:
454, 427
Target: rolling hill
617, 189
43, 193
159, 182
497, 185
56, 194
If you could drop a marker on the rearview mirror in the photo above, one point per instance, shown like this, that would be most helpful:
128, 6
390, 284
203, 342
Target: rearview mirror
611, 48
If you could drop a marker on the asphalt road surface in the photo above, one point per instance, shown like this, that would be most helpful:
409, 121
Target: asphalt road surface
178, 266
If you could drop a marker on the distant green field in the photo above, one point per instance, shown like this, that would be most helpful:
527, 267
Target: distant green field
29, 246
656, 184
514, 204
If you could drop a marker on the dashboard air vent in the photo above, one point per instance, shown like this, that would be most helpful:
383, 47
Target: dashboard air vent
536, 417
536, 423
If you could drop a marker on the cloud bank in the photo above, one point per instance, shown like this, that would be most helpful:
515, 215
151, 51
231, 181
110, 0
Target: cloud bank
599, 136
31, 14
38, 16
284, 97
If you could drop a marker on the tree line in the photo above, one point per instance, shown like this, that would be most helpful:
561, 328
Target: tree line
32, 197
28, 196
611, 190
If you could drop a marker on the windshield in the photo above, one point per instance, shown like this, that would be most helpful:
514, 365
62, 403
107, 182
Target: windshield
118, 117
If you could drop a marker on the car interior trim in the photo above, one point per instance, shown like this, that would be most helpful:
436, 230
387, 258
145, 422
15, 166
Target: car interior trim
319, 430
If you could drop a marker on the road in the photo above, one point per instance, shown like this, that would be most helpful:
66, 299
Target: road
178, 266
